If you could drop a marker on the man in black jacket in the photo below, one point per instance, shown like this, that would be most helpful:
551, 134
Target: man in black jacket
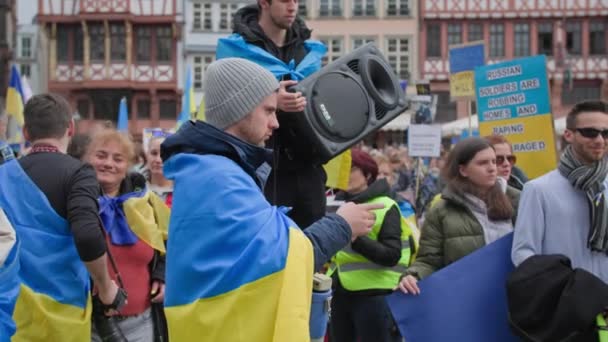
297, 181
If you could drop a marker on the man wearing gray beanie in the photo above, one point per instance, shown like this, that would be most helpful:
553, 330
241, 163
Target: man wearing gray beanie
238, 268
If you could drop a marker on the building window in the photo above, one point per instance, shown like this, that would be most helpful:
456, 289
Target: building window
82, 106
202, 17
397, 53
143, 109
63, 43
358, 42
578, 91
433, 40
26, 47
446, 109
118, 45
164, 44
200, 66
597, 37
97, 42
522, 40
475, 32
168, 109
302, 9
364, 8
143, 36
545, 39
573, 38
330, 8
78, 44
454, 34
226, 13
25, 70
397, 8
497, 40
334, 49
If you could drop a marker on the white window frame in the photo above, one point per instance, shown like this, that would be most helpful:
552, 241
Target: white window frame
330, 5
329, 42
201, 16
403, 72
200, 63
24, 66
399, 4
21, 46
227, 11
364, 40
364, 6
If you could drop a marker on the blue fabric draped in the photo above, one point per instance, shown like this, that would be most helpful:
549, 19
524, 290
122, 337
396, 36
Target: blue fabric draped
235, 46
465, 301
114, 218
9, 291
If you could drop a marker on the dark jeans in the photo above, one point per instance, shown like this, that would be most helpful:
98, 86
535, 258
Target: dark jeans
302, 189
361, 319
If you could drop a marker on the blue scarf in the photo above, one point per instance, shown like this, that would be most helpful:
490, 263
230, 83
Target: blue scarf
114, 218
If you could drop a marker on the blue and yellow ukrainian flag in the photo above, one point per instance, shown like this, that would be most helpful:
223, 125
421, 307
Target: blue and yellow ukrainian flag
238, 269
188, 105
9, 291
15, 103
141, 214
53, 302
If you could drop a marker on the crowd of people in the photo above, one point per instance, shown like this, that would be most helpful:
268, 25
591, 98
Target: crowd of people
214, 233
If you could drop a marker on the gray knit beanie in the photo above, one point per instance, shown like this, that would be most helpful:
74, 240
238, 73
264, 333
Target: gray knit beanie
233, 88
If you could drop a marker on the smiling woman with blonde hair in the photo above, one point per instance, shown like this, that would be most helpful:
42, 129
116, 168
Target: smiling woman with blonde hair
135, 221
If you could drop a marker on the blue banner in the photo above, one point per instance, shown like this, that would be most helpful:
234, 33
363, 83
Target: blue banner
512, 89
466, 58
465, 301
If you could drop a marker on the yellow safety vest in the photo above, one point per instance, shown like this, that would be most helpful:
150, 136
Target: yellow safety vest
602, 328
357, 273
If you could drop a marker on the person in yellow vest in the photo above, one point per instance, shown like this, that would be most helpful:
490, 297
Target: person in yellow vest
367, 269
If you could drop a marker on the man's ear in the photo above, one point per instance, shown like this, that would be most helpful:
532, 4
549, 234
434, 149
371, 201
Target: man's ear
71, 128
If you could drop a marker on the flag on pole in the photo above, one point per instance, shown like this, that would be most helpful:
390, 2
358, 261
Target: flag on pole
14, 106
27, 90
188, 105
200, 115
123, 116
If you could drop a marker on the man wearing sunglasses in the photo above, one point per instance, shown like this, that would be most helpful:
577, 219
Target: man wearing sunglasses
566, 211
505, 162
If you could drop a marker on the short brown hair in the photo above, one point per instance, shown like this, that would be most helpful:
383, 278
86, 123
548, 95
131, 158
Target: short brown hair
110, 135
46, 116
496, 139
583, 107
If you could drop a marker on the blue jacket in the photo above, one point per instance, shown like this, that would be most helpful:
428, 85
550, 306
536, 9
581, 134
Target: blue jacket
328, 235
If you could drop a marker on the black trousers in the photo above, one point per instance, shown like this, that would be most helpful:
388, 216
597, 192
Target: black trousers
301, 188
361, 319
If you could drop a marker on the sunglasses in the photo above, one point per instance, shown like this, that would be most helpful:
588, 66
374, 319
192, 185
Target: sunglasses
501, 159
592, 133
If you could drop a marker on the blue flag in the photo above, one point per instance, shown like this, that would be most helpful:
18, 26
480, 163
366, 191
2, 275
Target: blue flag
466, 301
123, 116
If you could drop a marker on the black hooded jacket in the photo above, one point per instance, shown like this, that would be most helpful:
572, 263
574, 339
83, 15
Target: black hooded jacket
289, 147
246, 24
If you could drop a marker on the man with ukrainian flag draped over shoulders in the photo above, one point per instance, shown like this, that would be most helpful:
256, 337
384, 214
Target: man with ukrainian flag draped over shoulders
51, 201
238, 269
271, 34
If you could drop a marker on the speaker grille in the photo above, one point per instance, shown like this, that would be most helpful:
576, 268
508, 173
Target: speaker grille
380, 111
354, 66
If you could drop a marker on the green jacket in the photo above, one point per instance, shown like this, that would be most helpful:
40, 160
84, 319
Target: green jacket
450, 232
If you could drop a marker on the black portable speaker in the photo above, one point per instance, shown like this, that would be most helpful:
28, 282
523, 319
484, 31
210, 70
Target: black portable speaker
348, 99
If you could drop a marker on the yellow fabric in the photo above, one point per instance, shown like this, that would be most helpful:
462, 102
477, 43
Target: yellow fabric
148, 218
338, 171
14, 105
435, 200
602, 332
39, 318
200, 115
275, 308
